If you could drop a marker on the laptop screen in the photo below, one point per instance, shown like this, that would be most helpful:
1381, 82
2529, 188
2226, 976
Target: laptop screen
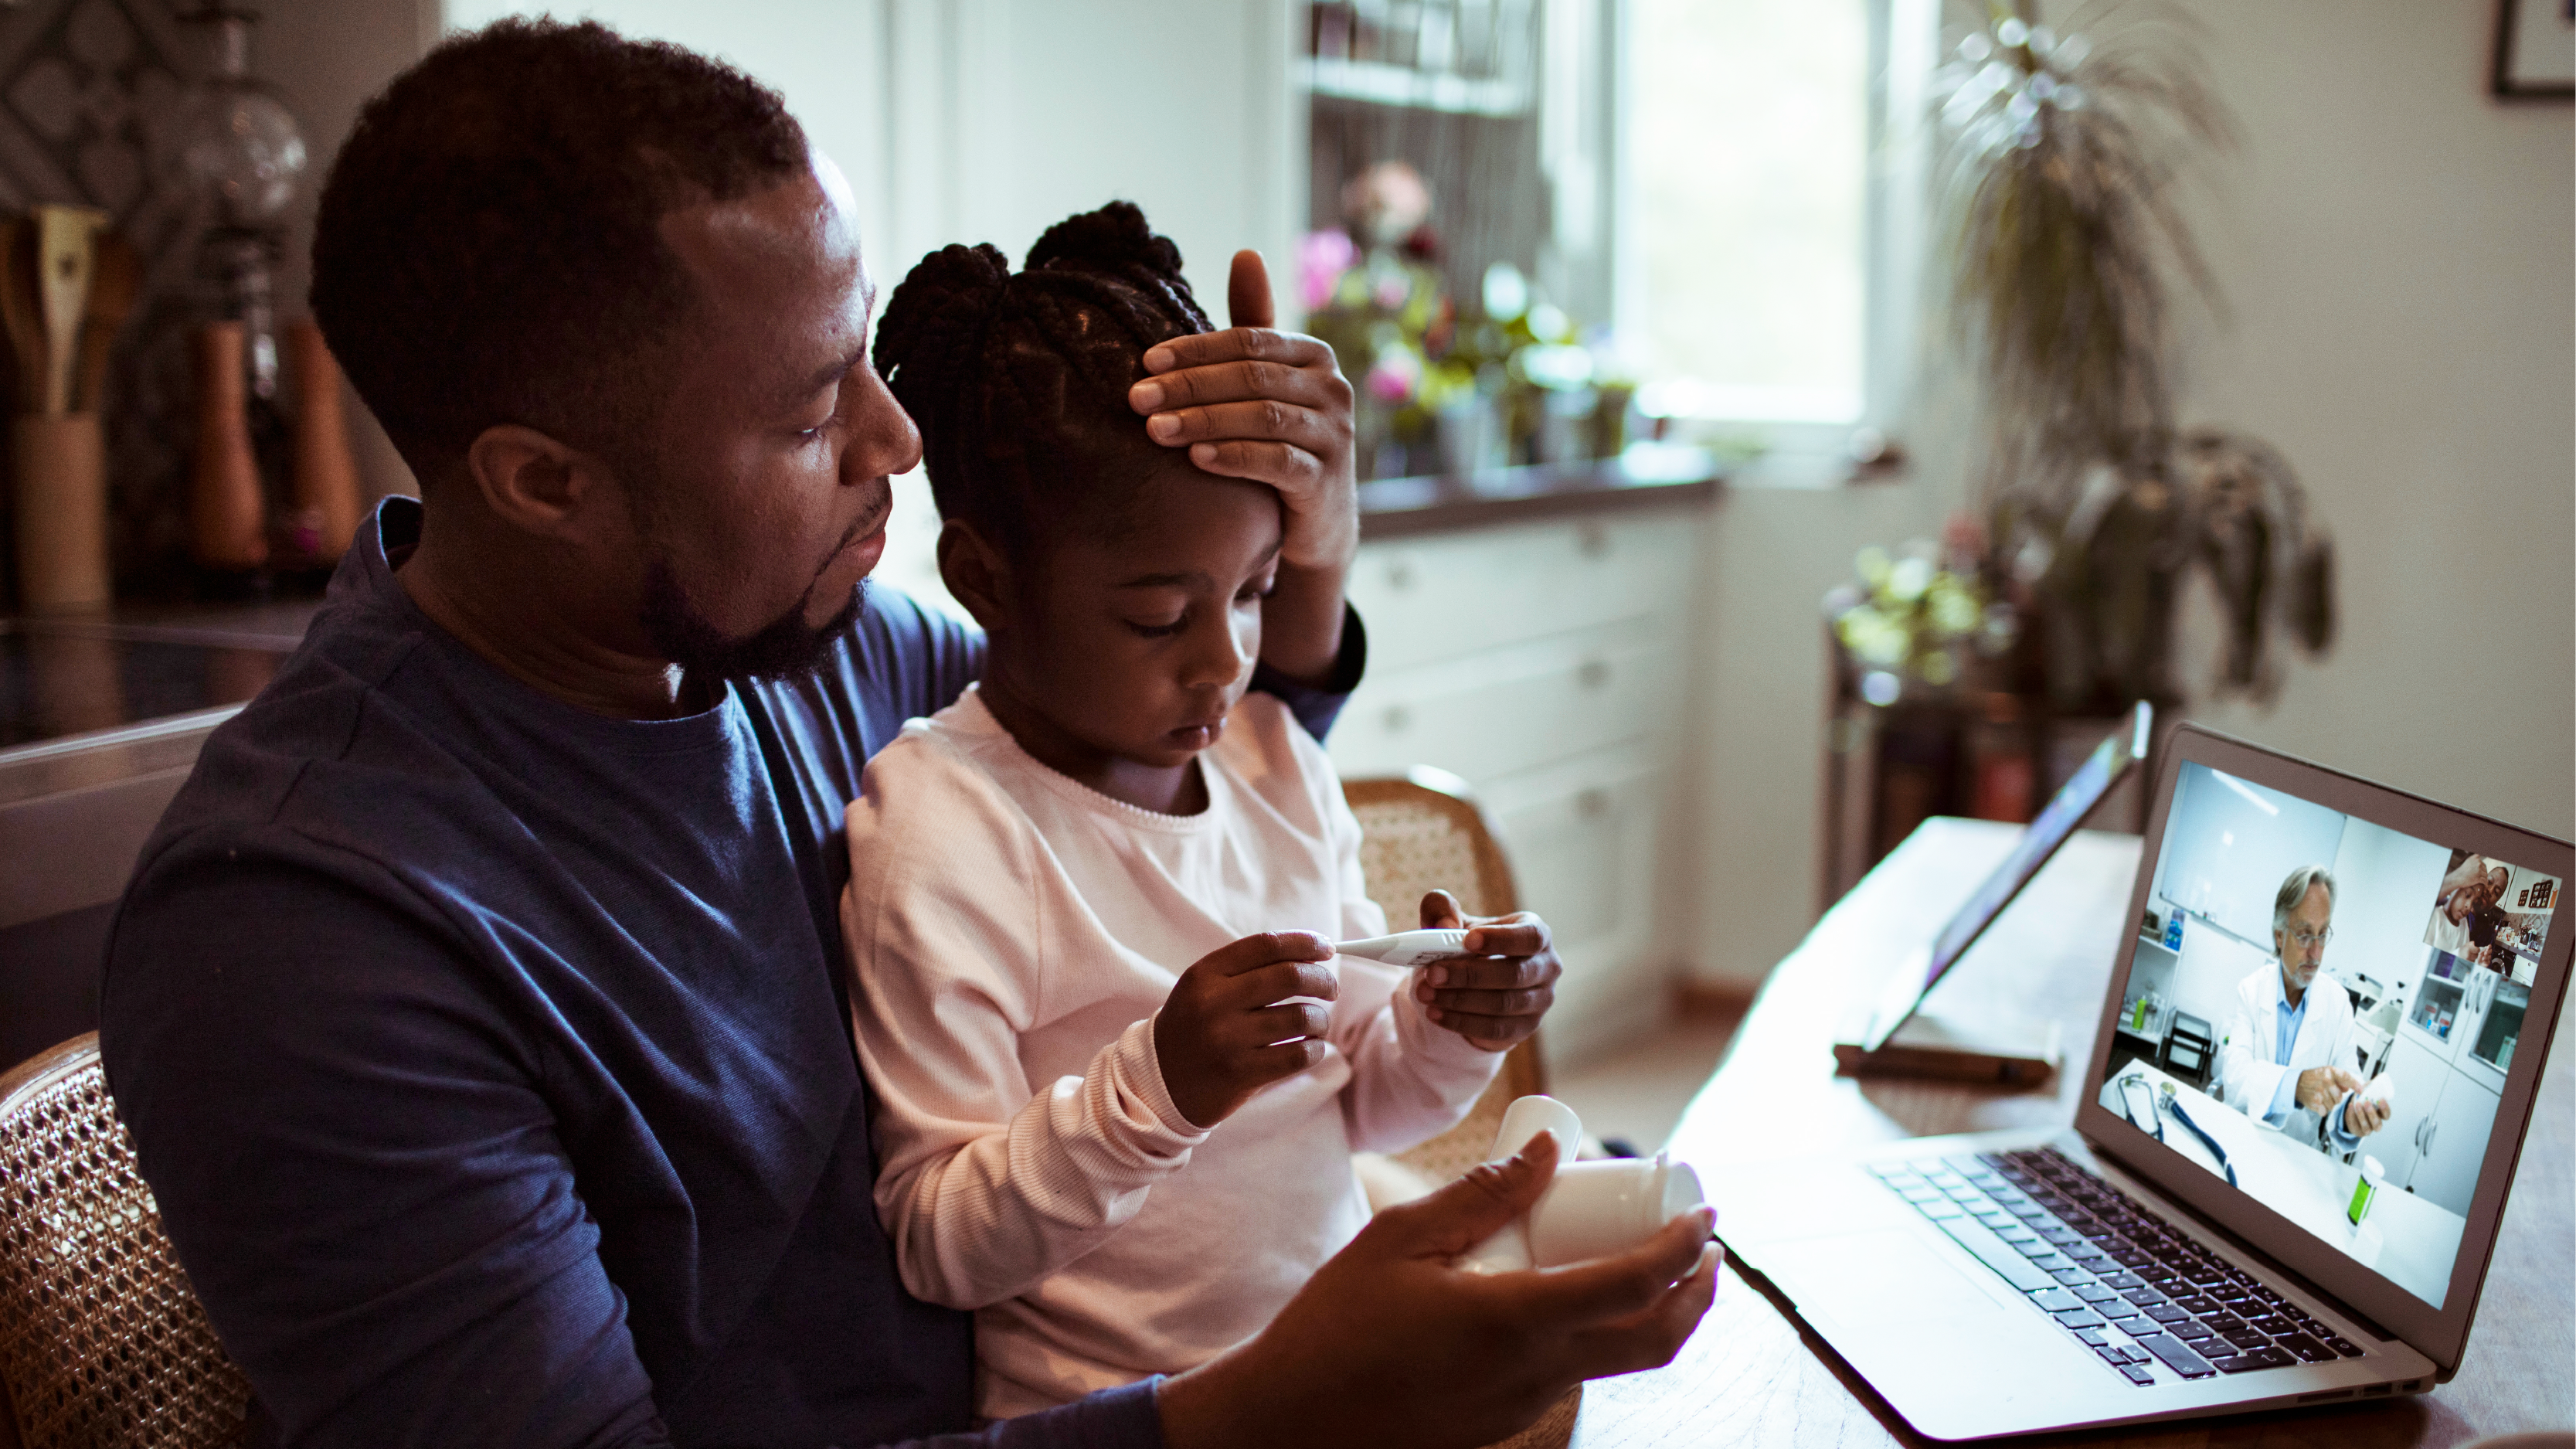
2324, 1011
2039, 840
2075, 800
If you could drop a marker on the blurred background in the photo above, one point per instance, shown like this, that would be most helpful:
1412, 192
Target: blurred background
1742, 488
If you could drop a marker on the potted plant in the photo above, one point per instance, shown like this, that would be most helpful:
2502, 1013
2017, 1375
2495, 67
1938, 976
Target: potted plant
2056, 174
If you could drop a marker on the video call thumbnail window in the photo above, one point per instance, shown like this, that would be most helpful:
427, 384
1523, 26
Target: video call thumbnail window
2327, 1009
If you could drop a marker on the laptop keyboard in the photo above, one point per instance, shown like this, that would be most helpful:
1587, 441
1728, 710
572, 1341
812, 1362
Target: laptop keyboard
2115, 1275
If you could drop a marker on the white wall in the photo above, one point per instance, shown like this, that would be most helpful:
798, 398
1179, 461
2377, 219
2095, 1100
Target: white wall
1754, 739
990, 120
2398, 252
829, 60
2387, 882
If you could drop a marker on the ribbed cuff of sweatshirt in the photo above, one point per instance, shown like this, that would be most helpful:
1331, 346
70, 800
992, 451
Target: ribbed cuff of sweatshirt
1119, 1418
1140, 1073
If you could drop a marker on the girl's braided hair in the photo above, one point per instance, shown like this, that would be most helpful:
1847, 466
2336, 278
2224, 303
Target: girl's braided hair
1019, 382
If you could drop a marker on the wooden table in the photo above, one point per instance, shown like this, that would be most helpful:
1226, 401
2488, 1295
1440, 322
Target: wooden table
1752, 1375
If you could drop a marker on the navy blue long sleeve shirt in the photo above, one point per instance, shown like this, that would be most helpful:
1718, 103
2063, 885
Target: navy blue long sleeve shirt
489, 1061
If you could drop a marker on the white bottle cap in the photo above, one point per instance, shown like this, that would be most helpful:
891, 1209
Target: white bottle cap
1529, 1116
1590, 1209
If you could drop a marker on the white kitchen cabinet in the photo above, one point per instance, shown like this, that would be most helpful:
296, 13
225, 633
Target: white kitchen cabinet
2486, 1049
2468, 1015
2453, 1143
1546, 663
2436, 1138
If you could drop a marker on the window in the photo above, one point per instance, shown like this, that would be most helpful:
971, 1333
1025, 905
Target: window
1765, 281
1749, 135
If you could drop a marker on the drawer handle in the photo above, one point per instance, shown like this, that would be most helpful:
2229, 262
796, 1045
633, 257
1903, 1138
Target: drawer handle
1399, 575
1398, 719
1593, 673
1592, 804
1593, 540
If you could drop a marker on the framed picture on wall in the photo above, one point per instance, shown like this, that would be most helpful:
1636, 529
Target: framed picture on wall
2535, 52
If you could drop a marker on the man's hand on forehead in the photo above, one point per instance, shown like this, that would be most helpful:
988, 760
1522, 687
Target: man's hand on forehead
1254, 402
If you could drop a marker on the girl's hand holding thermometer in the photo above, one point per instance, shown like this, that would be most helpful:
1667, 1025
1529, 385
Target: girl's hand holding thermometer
1488, 979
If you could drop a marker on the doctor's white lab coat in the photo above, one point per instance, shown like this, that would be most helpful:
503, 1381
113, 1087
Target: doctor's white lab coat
2249, 1071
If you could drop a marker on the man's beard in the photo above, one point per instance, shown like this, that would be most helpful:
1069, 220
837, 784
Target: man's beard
784, 648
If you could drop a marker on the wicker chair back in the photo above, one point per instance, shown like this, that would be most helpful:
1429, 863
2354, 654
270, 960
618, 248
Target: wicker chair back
103, 1344
1424, 832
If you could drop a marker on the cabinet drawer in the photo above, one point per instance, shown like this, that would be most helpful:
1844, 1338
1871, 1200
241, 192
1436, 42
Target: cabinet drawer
1586, 861
1436, 598
1524, 710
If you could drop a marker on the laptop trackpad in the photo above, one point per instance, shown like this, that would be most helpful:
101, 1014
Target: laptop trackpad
1883, 1278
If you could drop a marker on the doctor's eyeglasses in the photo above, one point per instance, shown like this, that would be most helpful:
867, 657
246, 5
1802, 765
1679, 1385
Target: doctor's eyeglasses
2305, 939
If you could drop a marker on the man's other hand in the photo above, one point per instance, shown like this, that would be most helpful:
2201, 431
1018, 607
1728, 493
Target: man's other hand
1495, 996
2321, 1087
1392, 1344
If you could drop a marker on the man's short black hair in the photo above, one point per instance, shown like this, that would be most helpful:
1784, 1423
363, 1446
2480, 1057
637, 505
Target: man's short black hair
487, 248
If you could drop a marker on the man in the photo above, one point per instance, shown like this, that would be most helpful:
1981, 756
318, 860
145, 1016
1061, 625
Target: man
478, 1006
2289, 1056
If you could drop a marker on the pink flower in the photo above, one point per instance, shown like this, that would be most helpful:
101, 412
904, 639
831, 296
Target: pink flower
1395, 374
1322, 257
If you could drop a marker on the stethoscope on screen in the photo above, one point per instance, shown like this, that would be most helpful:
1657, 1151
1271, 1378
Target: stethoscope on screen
2159, 1103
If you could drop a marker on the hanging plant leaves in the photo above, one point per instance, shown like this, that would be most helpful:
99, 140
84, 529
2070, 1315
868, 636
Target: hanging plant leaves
2055, 183
2058, 171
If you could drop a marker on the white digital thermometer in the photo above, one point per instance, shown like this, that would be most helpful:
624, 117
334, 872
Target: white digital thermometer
1407, 948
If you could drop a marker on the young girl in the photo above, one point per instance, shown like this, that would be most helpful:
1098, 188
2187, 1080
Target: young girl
1124, 1160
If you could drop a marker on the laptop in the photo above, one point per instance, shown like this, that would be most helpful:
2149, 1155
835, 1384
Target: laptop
1891, 1036
2190, 1246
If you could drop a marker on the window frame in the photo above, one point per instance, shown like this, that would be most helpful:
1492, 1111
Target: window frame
1904, 40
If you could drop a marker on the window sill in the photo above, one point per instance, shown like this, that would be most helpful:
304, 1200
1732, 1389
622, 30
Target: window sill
1648, 475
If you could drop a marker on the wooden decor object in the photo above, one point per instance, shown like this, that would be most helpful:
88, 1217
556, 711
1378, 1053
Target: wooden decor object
227, 515
326, 477
61, 471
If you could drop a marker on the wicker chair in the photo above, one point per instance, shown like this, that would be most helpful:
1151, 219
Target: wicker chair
1419, 833
102, 1342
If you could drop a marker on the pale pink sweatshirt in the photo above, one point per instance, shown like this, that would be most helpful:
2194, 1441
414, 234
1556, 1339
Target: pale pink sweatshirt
1013, 934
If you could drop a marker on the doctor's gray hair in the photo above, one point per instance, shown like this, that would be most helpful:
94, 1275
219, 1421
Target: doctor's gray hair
2295, 890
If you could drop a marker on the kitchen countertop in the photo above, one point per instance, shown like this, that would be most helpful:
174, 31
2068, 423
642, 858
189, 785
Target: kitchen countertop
66, 680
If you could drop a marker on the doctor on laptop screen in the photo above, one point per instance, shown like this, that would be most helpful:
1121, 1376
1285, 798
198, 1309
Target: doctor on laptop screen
2323, 1011
2291, 1056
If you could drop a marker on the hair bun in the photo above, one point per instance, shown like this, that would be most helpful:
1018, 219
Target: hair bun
934, 318
1116, 238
